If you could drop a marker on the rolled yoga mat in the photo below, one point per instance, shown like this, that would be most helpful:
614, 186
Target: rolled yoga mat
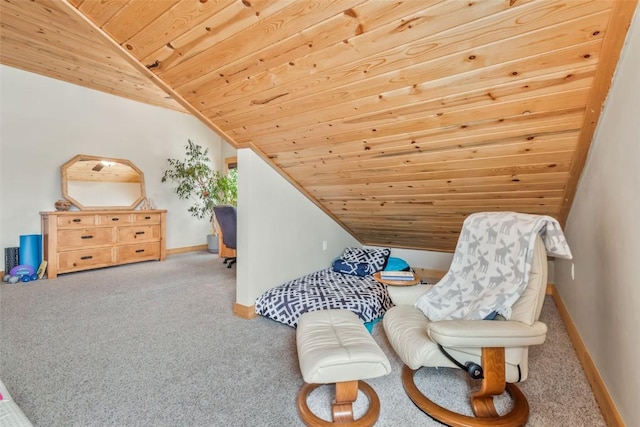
11, 258
31, 250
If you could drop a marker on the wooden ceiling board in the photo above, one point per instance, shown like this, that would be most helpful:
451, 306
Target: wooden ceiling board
458, 120
479, 98
522, 127
398, 119
379, 100
401, 175
311, 47
335, 30
38, 36
266, 31
412, 160
437, 80
504, 185
400, 66
218, 27
134, 16
169, 32
100, 11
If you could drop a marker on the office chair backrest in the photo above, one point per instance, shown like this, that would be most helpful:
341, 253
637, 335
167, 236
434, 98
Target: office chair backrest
227, 219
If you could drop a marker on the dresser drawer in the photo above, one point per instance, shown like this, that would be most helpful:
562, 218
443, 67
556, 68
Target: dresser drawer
76, 221
86, 237
84, 259
146, 218
138, 252
138, 233
77, 241
115, 219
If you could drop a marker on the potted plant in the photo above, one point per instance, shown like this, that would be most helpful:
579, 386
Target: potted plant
196, 180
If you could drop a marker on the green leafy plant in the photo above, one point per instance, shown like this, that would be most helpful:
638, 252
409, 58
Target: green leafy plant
196, 180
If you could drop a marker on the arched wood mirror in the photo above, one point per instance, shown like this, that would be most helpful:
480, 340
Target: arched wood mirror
93, 182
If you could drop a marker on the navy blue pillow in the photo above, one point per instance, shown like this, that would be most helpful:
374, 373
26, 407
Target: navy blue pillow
350, 267
491, 315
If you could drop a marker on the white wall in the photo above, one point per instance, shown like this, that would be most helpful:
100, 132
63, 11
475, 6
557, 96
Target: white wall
280, 232
603, 230
423, 259
45, 122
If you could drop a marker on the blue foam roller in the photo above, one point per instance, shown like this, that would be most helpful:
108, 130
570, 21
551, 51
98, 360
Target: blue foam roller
31, 250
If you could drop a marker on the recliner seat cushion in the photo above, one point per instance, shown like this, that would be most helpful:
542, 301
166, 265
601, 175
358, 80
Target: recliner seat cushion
407, 329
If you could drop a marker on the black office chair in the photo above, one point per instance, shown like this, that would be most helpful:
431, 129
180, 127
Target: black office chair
227, 220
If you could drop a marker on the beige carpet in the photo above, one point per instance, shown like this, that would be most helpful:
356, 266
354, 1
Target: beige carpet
156, 344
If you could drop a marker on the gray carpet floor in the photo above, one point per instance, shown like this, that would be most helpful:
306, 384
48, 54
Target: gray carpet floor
156, 344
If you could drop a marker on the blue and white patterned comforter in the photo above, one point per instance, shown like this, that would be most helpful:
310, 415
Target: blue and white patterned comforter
322, 290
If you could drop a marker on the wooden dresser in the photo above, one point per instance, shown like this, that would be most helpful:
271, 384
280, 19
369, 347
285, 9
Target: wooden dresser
83, 240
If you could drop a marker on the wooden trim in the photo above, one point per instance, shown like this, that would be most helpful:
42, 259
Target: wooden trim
163, 235
231, 163
607, 406
174, 251
619, 22
186, 249
244, 312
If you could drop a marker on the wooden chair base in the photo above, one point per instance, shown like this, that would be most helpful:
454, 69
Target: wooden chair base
483, 407
342, 411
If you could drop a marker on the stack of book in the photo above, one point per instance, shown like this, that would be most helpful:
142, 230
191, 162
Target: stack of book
397, 275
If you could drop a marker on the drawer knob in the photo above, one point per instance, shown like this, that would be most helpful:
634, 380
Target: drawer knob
87, 237
139, 232
147, 217
76, 220
86, 257
139, 250
115, 219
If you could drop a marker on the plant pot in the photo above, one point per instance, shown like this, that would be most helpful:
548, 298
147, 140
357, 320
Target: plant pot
212, 243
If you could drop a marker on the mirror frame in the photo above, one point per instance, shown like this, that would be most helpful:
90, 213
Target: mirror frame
83, 157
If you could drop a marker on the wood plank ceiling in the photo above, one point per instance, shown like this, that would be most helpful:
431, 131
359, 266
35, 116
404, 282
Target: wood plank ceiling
41, 38
398, 119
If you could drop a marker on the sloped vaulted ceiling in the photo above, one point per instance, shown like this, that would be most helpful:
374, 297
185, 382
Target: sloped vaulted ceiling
397, 118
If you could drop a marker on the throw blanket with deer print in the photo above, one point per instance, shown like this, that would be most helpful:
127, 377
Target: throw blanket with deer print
491, 265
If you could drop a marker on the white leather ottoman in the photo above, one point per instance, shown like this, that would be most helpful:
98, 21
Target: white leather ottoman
335, 347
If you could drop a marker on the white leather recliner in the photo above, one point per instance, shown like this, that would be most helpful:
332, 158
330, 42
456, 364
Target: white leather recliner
498, 347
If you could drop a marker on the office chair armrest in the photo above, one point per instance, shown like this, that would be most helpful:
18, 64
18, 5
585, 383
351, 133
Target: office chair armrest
486, 333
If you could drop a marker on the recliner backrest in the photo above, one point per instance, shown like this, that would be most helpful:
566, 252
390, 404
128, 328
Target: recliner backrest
528, 307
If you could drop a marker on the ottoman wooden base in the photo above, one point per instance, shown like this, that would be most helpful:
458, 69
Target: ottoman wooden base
342, 411
334, 347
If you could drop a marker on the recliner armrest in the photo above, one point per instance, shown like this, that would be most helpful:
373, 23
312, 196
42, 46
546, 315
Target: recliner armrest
486, 333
